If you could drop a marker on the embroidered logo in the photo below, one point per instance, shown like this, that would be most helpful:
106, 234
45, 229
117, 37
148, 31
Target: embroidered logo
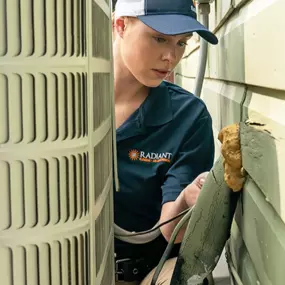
154, 157
134, 154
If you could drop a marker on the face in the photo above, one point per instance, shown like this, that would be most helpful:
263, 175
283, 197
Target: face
147, 54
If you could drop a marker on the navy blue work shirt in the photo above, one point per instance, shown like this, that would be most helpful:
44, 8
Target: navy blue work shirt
162, 147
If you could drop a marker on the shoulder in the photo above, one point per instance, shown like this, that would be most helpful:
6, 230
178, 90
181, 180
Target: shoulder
184, 103
169, 103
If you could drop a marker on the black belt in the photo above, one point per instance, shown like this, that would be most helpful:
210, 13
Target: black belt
132, 269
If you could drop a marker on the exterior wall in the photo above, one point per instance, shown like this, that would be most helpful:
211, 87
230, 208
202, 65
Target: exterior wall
56, 143
245, 82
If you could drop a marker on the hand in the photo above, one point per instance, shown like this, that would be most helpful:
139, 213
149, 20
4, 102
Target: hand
192, 191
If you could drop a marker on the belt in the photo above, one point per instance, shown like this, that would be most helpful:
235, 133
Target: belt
131, 269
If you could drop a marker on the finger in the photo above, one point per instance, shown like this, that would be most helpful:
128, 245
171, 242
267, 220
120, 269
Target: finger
204, 174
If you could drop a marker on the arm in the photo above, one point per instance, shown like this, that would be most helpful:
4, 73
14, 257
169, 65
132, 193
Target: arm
181, 189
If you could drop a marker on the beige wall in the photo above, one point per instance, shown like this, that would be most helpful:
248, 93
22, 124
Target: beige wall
245, 80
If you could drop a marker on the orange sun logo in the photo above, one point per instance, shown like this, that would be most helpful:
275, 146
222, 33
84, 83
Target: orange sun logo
134, 154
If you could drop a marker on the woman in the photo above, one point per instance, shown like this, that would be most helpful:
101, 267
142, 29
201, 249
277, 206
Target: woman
164, 133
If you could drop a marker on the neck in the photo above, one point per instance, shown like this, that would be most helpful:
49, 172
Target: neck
126, 87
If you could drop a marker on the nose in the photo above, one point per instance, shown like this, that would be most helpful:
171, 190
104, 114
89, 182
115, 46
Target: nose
170, 55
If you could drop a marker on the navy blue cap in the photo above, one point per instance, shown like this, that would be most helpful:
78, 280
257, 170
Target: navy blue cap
169, 17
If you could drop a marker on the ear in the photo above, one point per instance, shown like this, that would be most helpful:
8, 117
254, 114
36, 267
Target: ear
120, 26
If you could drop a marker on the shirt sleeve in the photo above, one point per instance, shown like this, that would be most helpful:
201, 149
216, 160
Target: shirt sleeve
195, 156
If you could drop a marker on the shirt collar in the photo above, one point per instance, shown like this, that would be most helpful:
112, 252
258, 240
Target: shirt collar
157, 109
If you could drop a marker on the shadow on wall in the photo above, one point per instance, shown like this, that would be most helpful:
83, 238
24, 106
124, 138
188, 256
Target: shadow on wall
114, 4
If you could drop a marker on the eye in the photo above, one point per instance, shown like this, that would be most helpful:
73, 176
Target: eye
182, 44
159, 40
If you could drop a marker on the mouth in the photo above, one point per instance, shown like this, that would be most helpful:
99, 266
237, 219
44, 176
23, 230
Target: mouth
161, 72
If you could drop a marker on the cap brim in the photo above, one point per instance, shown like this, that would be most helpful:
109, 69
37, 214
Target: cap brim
174, 24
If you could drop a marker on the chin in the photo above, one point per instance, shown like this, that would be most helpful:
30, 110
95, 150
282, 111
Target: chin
152, 82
